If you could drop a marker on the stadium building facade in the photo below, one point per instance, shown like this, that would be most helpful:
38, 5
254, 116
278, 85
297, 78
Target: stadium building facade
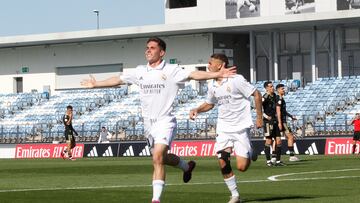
276, 40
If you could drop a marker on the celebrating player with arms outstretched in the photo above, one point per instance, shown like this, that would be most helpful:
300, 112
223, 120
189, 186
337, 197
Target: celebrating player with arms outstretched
159, 83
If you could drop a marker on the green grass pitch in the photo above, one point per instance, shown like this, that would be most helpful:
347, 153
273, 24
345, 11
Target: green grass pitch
127, 180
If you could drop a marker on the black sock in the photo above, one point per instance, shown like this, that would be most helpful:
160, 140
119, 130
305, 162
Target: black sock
353, 148
291, 149
278, 153
267, 152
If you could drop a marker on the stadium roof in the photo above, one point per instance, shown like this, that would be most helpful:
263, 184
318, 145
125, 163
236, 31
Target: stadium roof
265, 23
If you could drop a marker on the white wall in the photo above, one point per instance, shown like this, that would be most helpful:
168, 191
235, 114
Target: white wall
272, 7
43, 60
325, 5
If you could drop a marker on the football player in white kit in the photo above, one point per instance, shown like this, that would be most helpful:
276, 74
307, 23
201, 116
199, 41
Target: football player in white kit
159, 83
232, 95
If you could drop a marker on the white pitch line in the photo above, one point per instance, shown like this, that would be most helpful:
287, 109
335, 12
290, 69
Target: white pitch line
271, 178
120, 186
274, 178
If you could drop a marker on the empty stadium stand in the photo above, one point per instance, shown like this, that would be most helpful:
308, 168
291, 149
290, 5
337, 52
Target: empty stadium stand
322, 108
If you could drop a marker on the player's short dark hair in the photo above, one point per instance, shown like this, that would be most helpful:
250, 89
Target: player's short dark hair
267, 83
159, 41
221, 57
280, 86
69, 107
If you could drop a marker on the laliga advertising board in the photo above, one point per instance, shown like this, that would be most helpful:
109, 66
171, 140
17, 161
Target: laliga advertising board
25, 151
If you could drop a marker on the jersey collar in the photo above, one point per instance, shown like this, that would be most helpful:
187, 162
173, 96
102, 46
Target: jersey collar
216, 84
159, 67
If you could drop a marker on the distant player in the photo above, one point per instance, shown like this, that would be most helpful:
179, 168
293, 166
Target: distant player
271, 127
232, 95
159, 83
282, 115
69, 133
356, 122
242, 3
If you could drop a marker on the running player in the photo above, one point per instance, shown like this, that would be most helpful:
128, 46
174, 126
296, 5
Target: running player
159, 83
271, 127
232, 95
69, 133
282, 115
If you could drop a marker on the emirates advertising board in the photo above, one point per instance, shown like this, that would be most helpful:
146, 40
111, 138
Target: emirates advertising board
340, 146
25, 151
200, 148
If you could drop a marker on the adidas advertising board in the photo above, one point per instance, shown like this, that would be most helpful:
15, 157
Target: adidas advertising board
101, 150
131, 149
303, 146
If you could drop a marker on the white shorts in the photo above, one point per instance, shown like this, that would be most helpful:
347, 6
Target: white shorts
160, 131
238, 141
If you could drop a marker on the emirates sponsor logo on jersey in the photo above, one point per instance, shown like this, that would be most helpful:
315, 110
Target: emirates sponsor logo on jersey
151, 88
224, 99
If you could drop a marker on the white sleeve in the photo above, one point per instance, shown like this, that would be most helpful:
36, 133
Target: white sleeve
180, 75
243, 86
130, 77
210, 99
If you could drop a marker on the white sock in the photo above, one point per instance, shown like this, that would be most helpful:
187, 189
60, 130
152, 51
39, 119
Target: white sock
158, 186
183, 165
231, 183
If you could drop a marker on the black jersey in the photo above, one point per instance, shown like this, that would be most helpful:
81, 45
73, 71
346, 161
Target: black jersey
269, 106
65, 121
282, 104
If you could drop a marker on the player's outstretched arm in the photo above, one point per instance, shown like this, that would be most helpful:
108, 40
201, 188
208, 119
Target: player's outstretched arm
202, 108
203, 75
110, 82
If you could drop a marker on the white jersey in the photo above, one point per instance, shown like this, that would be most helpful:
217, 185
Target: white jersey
158, 88
233, 99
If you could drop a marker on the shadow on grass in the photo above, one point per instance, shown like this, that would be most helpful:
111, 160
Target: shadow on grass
274, 199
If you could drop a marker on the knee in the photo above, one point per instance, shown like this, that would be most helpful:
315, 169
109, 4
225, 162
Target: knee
243, 166
158, 158
225, 165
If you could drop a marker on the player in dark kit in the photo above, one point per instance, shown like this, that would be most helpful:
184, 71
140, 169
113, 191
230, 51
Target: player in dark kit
69, 133
271, 127
282, 115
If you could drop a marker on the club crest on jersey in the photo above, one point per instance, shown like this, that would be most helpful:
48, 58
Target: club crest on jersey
163, 76
228, 89
141, 78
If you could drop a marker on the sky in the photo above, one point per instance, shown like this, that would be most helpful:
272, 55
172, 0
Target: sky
24, 17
